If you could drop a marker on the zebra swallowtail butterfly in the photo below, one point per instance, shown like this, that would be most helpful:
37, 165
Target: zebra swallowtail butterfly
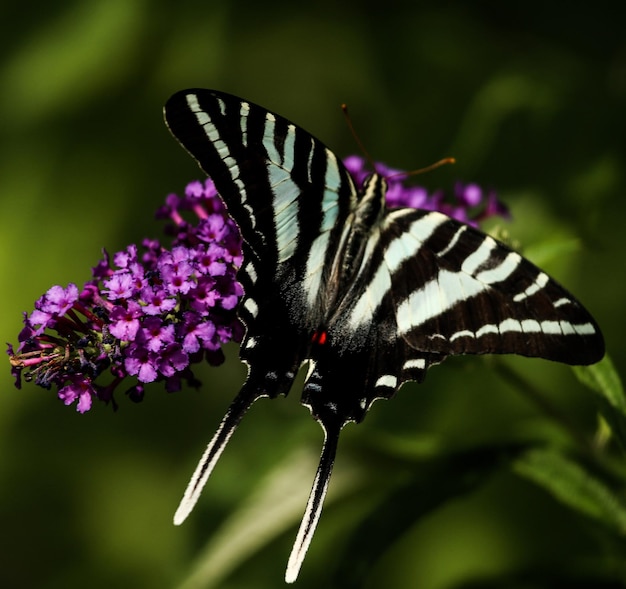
370, 298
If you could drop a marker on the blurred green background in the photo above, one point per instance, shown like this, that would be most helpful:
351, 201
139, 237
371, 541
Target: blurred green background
530, 99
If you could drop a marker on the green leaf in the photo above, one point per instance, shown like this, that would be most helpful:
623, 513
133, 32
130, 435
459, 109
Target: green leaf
574, 486
603, 379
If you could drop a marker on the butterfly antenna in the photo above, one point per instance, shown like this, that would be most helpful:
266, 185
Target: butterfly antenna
357, 139
314, 505
442, 162
238, 408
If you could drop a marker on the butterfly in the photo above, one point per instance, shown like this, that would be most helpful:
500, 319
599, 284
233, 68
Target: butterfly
368, 297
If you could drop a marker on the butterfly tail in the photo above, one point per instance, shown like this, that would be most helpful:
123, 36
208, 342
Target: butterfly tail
238, 408
314, 505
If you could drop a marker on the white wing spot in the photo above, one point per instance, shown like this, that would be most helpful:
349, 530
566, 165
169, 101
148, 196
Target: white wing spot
530, 326
315, 268
290, 140
562, 302
387, 380
285, 205
551, 327
478, 257
541, 280
487, 328
269, 131
332, 181
244, 111
419, 363
311, 369
250, 270
250, 214
584, 329
435, 298
222, 106
464, 333
251, 306
453, 241
510, 325
501, 272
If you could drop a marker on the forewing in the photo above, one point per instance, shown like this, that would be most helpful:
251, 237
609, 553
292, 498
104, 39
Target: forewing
288, 193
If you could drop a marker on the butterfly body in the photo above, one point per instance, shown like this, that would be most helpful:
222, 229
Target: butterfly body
369, 297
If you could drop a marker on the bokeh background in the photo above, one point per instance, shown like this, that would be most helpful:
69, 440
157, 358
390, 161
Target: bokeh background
528, 96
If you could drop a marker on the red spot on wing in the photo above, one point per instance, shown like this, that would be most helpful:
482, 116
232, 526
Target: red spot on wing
319, 337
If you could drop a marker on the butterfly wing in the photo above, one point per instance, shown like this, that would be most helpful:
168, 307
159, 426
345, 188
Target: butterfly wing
477, 296
290, 198
430, 287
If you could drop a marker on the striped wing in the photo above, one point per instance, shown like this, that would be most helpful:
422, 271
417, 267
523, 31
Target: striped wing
476, 296
290, 198
431, 287
288, 193
456, 290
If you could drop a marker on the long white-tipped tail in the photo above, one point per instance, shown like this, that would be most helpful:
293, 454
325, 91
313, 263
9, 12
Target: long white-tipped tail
314, 505
236, 411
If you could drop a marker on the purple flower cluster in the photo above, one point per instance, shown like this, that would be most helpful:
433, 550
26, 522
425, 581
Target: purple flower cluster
154, 312
149, 315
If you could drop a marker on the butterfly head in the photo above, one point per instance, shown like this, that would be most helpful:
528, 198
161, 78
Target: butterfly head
375, 183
